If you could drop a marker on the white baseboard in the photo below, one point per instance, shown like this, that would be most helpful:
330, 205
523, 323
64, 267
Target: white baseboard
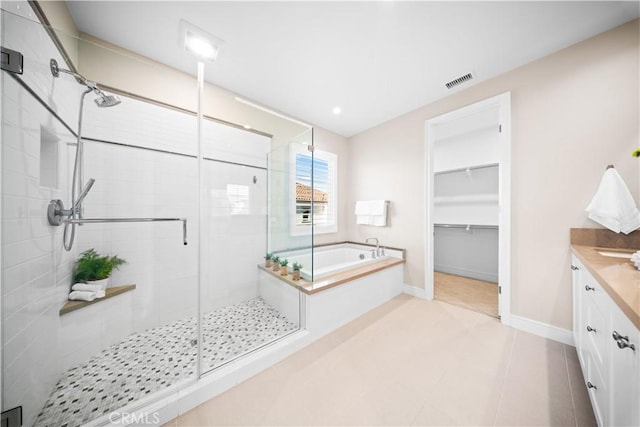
414, 291
542, 329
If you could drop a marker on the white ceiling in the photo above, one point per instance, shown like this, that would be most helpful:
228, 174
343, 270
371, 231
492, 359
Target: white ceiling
376, 60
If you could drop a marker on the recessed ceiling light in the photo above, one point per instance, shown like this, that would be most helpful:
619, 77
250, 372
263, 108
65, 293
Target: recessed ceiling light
246, 127
198, 42
336, 110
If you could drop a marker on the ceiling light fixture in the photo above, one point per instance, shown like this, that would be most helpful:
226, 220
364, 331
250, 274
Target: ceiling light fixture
336, 111
198, 42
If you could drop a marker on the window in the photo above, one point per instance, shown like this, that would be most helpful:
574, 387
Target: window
238, 196
314, 201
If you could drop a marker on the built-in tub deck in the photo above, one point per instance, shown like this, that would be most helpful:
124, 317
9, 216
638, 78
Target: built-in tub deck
335, 279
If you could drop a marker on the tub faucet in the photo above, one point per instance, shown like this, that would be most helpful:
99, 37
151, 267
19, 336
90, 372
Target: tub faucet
377, 253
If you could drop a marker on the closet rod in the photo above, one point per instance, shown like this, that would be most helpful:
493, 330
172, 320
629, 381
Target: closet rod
470, 168
468, 227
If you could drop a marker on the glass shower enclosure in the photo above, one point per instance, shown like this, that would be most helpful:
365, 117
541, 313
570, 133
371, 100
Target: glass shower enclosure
173, 312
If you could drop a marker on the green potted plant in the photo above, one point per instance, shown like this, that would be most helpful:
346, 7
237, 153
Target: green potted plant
275, 259
267, 260
283, 267
95, 269
296, 270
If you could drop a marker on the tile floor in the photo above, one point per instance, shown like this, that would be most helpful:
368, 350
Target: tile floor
149, 361
412, 362
471, 294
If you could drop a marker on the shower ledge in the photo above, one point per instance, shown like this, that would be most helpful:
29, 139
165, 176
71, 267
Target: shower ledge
109, 293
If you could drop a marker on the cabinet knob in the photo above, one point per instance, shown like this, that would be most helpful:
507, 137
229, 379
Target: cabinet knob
590, 329
574, 268
589, 385
589, 288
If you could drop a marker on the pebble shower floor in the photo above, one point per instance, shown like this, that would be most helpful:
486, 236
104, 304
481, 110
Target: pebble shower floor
157, 358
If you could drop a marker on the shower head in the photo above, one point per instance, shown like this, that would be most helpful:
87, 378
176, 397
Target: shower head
107, 100
104, 100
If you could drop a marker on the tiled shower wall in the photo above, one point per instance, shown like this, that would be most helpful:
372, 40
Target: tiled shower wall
133, 181
35, 268
38, 344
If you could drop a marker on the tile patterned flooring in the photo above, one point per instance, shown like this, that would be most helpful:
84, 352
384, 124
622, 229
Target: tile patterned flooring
471, 294
412, 362
157, 358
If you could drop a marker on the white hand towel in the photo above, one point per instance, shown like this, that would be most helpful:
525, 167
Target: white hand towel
371, 212
82, 296
364, 219
97, 289
613, 206
370, 207
363, 208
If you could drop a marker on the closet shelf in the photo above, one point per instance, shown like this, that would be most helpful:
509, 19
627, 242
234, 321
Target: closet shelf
467, 198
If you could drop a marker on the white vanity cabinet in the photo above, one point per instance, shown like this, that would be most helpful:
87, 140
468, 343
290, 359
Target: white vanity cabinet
608, 346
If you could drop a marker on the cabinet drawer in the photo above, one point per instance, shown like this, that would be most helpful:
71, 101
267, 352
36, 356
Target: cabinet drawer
592, 292
597, 389
595, 335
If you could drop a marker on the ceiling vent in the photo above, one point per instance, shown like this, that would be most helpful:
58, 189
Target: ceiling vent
459, 81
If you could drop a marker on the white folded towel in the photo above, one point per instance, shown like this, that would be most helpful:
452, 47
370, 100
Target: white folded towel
371, 207
82, 296
613, 206
97, 289
371, 212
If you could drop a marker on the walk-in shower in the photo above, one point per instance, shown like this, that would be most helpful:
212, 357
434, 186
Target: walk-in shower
175, 312
56, 213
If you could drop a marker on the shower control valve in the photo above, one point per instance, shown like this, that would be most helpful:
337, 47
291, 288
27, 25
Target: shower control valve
56, 213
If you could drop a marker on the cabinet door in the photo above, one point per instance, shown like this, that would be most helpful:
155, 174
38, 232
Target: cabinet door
624, 372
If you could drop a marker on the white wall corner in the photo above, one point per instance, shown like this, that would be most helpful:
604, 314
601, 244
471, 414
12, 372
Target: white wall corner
414, 291
542, 329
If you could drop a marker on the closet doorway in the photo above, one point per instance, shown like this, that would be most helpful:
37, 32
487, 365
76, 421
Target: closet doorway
468, 176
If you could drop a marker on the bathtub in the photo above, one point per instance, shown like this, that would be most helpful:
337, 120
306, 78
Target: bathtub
344, 286
336, 258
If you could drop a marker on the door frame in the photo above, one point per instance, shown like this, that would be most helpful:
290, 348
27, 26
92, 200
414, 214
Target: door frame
503, 103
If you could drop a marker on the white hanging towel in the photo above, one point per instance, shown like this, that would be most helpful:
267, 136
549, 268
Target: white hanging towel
613, 206
371, 212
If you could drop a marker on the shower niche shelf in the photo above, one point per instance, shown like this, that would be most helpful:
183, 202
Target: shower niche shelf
109, 293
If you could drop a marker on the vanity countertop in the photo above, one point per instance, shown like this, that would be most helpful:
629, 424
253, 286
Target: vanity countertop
617, 276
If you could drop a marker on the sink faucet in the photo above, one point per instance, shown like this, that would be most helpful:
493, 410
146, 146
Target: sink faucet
377, 244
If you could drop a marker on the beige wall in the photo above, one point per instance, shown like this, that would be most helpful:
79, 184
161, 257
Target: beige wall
61, 21
572, 113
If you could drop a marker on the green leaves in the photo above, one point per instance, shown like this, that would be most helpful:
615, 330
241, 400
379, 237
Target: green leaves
92, 266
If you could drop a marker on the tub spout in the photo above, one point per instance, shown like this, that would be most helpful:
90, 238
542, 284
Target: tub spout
377, 252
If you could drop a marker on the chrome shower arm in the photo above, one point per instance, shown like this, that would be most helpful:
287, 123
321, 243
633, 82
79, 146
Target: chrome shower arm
107, 220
